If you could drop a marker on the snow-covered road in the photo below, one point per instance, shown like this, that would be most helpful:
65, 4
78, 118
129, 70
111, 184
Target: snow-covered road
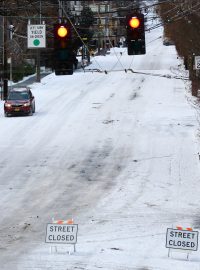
116, 152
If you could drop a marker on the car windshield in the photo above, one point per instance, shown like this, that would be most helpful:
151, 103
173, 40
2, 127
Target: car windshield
18, 95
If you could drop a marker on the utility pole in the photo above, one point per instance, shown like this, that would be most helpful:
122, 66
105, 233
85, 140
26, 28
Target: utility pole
99, 29
1, 58
5, 64
38, 75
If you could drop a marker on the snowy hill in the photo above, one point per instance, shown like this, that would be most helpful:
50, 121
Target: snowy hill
117, 152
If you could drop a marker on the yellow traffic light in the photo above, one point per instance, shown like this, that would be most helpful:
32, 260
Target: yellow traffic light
62, 31
134, 22
135, 30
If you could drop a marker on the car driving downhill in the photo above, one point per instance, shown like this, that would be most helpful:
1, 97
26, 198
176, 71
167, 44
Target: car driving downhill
19, 101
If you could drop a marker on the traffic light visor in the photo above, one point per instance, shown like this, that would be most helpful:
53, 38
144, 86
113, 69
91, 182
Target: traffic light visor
62, 31
134, 22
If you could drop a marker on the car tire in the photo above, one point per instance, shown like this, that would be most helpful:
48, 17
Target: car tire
31, 111
57, 72
5, 114
70, 72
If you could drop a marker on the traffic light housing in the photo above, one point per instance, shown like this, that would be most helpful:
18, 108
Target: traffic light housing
63, 49
135, 34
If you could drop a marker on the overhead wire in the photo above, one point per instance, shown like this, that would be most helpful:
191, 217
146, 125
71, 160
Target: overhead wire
110, 43
146, 7
118, 58
77, 33
176, 17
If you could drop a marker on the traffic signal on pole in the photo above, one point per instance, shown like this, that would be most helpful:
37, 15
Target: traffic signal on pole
135, 34
63, 50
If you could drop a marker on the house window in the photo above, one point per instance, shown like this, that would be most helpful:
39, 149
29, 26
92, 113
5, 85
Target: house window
95, 21
102, 8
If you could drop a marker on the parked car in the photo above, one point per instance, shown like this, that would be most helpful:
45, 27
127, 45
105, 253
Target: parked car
19, 101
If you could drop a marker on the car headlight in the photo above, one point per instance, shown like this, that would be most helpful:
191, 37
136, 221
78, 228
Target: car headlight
8, 105
27, 104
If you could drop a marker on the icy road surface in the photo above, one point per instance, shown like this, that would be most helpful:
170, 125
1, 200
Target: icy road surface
116, 152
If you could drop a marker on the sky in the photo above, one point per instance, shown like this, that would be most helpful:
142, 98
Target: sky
115, 151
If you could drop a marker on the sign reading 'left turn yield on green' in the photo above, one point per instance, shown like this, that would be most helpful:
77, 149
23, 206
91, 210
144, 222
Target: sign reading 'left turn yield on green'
36, 36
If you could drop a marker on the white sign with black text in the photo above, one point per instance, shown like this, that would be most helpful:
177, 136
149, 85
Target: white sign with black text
182, 239
61, 233
197, 62
36, 36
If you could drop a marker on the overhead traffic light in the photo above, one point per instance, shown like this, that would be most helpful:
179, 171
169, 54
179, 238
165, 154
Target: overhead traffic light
135, 34
62, 35
63, 50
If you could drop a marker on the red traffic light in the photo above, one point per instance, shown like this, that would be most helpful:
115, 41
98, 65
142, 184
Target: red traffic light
134, 22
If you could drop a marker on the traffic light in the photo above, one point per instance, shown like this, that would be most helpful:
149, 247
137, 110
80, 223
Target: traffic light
63, 50
62, 35
135, 34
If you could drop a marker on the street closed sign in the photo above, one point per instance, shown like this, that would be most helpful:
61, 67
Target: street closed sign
197, 62
182, 239
61, 233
